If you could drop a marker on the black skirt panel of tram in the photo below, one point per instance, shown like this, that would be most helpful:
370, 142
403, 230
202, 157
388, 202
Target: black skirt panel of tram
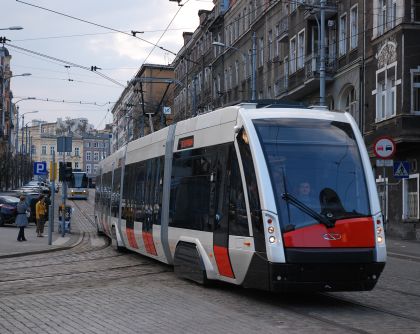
324, 276
315, 276
334, 255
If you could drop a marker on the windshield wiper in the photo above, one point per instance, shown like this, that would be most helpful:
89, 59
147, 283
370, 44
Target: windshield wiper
306, 209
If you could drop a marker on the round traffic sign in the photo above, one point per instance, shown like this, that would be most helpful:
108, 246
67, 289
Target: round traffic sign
384, 147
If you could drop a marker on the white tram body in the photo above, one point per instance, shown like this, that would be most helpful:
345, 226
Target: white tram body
216, 196
78, 186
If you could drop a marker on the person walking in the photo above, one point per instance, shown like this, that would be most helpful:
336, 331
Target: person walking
41, 212
21, 218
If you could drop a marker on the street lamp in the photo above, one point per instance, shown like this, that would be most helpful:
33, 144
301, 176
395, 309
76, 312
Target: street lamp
17, 120
253, 62
12, 28
23, 122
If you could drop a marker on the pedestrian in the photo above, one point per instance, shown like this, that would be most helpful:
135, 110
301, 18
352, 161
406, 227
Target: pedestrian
21, 218
41, 211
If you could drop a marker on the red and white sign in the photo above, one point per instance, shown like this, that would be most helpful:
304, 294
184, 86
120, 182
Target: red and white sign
384, 147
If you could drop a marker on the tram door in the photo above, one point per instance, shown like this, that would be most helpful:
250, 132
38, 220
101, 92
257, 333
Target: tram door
219, 206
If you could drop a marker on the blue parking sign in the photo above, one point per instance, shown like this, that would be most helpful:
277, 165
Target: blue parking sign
40, 168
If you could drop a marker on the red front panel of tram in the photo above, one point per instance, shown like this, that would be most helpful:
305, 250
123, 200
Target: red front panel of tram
347, 233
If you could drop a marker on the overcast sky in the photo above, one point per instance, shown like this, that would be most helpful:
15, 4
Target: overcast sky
119, 56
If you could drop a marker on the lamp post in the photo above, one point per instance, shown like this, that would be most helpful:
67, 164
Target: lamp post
17, 121
23, 121
253, 62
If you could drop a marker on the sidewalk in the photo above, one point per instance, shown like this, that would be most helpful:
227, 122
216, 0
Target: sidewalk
10, 247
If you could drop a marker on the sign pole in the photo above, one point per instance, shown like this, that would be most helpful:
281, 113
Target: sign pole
51, 208
385, 208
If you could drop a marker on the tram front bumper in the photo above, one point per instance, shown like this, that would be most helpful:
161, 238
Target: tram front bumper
324, 276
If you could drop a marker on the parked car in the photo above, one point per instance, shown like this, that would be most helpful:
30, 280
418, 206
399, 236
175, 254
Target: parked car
8, 209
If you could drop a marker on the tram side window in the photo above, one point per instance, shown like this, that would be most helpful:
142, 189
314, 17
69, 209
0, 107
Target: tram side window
98, 190
190, 192
238, 218
139, 190
127, 198
115, 195
105, 190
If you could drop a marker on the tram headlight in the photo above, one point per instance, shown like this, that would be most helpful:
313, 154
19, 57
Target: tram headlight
271, 229
272, 239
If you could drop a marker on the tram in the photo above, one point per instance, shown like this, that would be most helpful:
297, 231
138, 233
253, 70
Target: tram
261, 196
78, 186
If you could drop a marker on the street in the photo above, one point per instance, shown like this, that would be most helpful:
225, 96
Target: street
91, 288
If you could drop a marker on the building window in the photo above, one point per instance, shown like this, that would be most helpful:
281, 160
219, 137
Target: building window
68, 153
293, 55
301, 50
261, 46
95, 144
88, 168
44, 150
386, 93
52, 150
353, 27
270, 45
411, 197
342, 50
76, 165
95, 169
350, 103
96, 156
33, 149
88, 144
76, 151
88, 156
392, 14
416, 10
415, 90
382, 17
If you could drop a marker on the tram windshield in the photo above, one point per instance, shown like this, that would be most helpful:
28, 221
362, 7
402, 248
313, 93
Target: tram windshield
78, 180
315, 170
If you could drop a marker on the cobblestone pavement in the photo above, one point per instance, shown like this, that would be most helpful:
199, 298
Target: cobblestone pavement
91, 288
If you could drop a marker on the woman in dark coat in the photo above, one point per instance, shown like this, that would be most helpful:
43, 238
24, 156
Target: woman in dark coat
21, 218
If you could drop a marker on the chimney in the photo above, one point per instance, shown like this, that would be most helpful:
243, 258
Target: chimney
187, 37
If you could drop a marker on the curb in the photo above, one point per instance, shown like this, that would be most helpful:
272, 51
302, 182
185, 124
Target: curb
43, 251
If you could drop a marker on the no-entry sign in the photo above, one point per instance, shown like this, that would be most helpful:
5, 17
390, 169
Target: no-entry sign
384, 147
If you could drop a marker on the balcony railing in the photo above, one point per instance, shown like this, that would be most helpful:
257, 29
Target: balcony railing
312, 65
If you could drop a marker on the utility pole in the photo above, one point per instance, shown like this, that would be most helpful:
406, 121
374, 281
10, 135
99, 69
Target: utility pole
322, 56
254, 67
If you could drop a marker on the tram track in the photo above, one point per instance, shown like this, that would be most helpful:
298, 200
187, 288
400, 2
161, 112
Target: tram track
347, 301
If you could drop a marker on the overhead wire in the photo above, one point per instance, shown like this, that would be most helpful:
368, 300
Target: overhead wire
98, 25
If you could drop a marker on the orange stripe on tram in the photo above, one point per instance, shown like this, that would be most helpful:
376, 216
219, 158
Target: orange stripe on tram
131, 238
223, 262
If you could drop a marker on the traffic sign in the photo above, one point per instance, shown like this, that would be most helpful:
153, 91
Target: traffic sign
384, 147
64, 144
384, 163
401, 169
167, 110
40, 168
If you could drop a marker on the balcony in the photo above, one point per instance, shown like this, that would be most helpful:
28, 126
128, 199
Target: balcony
312, 9
283, 28
312, 65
